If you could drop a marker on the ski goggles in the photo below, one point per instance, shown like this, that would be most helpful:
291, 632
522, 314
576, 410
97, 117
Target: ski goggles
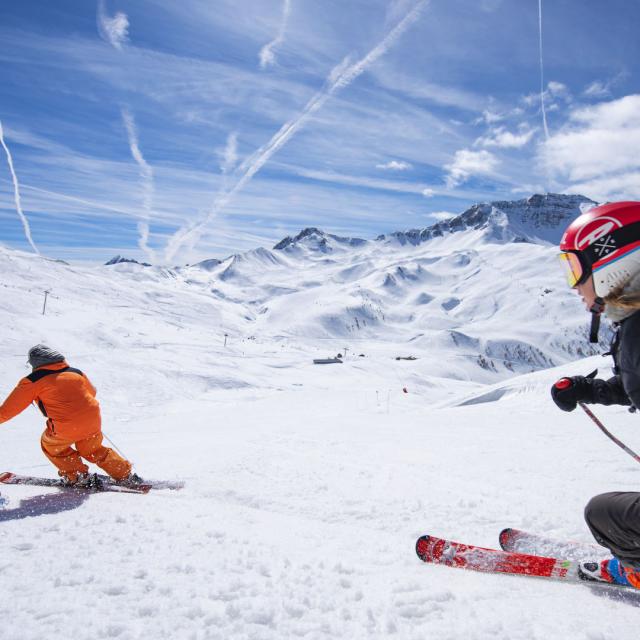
575, 269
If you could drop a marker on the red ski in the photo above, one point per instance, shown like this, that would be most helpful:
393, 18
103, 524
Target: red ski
518, 541
465, 556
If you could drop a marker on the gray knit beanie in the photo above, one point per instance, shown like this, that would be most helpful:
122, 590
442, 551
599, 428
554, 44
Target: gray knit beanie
41, 355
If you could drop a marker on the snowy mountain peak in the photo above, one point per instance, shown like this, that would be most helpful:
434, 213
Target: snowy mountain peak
539, 218
120, 259
315, 239
208, 265
246, 265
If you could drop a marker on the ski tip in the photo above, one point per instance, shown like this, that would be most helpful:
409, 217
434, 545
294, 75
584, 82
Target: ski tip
509, 538
505, 536
422, 547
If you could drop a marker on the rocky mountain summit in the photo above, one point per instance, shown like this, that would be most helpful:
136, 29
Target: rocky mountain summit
539, 218
121, 260
315, 238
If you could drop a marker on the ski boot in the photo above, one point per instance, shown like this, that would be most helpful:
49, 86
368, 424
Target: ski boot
132, 480
89, 481
611, 571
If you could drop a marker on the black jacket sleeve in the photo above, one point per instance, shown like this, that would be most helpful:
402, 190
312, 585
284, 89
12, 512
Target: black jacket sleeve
628, 357
609, 391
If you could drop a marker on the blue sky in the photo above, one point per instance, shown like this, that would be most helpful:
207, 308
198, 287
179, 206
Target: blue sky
178, 131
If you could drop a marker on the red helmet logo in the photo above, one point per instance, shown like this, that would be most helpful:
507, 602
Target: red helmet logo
594, 230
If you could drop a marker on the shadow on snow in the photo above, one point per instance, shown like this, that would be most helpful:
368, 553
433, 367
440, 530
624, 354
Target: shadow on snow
624, 596
46, 504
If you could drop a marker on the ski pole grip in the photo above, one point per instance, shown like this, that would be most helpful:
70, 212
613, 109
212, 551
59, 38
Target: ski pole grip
563, 383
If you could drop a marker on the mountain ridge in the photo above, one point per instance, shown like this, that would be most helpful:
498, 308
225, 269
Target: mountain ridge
526, 218
537, 218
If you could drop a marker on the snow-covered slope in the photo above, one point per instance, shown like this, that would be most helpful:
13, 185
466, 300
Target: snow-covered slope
473, 287
307, 485
469, 303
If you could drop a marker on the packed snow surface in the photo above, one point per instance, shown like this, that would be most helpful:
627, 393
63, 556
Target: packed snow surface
307, 485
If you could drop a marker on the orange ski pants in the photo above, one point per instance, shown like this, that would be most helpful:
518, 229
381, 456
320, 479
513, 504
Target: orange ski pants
69, 460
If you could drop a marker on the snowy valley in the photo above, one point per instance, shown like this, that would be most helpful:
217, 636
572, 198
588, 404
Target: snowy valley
307, 485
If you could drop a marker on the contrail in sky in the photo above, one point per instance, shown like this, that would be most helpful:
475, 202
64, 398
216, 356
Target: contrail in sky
342, 76
114, 30
544, 113
267, 57
146, 174
16, 192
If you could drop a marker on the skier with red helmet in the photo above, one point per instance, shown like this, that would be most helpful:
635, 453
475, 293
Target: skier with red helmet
601, 255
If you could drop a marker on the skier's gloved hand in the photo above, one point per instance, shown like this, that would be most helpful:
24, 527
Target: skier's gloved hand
567, 392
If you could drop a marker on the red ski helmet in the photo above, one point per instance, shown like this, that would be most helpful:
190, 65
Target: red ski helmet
605, 242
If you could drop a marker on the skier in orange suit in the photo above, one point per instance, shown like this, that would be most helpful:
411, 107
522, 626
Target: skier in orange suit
67, 399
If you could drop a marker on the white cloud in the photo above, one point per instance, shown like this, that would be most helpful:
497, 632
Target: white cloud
267, 55
362, 181
603, 89
229, 156
113, 29
504, 139
442, 215
395, 165
554, 90
383, 185
598, 149
489, 117
467, 163
622, 186
528, 188
261, 156
557, 88
597, 89
599, 139
392, 78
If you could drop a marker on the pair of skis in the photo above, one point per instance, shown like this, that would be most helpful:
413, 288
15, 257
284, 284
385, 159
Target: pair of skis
108, 484
521, 553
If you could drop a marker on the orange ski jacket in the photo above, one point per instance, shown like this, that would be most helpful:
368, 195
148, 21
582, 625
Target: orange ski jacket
65, 396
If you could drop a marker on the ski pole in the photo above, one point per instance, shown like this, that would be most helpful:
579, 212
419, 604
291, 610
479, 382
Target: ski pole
607, 433
115, 446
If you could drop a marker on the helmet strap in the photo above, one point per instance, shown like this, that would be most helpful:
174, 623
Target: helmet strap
596, 309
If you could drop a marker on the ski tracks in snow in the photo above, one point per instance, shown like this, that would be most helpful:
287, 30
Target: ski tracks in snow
298, 520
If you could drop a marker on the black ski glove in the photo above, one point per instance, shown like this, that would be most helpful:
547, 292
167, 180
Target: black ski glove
567, 392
